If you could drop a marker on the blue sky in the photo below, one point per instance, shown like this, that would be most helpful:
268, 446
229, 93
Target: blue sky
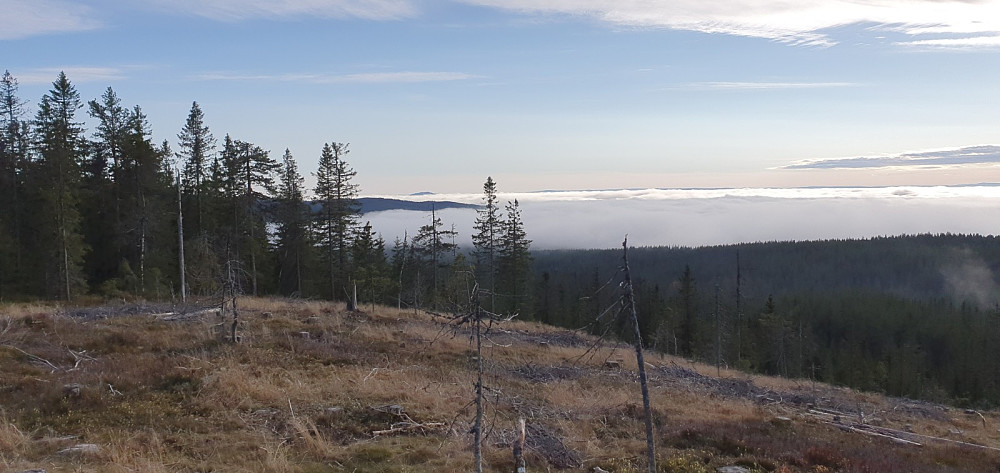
550, 94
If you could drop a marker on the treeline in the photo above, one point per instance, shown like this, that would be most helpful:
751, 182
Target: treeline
109, 213
913, 316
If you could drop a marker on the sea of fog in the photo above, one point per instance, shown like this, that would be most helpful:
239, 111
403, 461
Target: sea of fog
699, 217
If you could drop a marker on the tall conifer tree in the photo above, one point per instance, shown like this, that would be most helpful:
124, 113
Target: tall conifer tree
14, 143
60, 145
515, 258
486, 240
197, 148
292, 218
339, 212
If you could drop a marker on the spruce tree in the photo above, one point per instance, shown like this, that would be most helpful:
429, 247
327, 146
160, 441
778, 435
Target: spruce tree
292, 218
339, 213
146, 194
432, 246
515, 258
103, 228
371, 268
247, 180
486, 239
59, 144
14, 144
197, 147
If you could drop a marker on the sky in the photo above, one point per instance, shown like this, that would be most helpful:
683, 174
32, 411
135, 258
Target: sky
548, 94
555, 94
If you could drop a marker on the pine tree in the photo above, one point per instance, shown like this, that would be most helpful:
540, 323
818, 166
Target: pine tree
197, 146
14, 144
59, 143
486, 240
292, 218
339, 212
515, 258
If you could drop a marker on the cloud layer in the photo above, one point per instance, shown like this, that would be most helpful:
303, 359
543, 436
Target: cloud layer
968, 156
698, 217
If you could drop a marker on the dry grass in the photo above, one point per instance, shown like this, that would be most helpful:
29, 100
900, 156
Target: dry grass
307, 388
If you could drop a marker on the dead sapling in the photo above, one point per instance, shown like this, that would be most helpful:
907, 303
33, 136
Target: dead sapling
480, 321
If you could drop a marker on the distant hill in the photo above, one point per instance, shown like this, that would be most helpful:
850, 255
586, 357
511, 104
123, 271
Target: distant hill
379, 204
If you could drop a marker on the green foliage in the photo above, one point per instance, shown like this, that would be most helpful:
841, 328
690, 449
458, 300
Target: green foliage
899, 317
337, 195
488, 229
514, 261
54, 182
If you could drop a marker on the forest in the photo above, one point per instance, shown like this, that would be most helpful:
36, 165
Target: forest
106, 214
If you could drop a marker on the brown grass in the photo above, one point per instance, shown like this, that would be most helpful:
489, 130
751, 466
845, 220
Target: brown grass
306, 389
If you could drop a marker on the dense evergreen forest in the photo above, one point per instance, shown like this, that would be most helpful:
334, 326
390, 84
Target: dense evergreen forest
106, 213
913, 316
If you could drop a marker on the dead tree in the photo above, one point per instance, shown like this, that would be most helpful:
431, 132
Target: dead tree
628, 303
180, 238
231, 290
480, 320
519, 464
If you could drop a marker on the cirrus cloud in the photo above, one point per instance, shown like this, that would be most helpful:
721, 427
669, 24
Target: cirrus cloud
967, 156
360, 78
801, 22
25, 18
236, 10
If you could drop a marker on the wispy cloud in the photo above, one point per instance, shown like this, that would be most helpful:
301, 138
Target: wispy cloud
968, 156
235, 10
806, 22
25, 18
76, 74
762, 85
373, 77
972, 42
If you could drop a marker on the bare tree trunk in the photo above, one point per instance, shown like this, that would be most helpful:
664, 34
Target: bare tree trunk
629, 299
253, 265
739, 311
298, 271
352, 303
718, 335
65, 252
519, 464
180, 238
478, 439
142, 246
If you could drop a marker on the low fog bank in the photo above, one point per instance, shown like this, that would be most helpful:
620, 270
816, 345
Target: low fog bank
652, 217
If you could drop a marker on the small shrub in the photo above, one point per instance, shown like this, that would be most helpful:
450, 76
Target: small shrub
685, 463
823, 456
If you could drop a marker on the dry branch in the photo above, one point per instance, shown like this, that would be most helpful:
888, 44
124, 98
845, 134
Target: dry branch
407, 427
34, 357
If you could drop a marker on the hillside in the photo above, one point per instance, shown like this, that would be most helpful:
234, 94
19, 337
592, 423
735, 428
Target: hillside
313, 388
